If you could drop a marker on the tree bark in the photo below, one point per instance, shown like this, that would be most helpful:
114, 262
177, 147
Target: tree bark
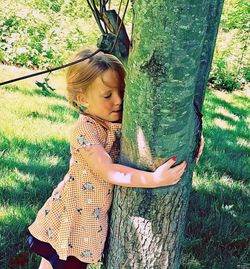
160, 121
213, 20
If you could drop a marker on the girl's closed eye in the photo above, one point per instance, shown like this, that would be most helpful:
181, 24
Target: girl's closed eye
108, 96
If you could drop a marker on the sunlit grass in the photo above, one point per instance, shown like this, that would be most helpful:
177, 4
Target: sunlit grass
34, 155
218, 232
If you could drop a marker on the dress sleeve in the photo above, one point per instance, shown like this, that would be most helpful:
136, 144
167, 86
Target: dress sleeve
84, 134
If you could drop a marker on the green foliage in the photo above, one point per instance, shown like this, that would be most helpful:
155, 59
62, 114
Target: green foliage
246, 73
45, 87
41, 33
73, 8
222, 78
230, 68
236, 15
44, 33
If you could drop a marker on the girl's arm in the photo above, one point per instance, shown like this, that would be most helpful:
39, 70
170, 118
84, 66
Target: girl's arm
101, 163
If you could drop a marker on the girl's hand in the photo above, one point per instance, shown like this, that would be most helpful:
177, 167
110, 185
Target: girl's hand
165, 175
200, 149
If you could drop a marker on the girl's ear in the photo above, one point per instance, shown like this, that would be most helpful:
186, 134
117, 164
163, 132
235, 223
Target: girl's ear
82, 100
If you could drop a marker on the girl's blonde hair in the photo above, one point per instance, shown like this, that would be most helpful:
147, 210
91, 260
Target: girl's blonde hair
81, 75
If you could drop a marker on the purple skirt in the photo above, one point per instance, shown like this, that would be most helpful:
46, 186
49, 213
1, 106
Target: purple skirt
46, 251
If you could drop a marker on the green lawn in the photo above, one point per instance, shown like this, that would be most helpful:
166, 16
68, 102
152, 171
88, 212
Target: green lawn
34, 156
218, 229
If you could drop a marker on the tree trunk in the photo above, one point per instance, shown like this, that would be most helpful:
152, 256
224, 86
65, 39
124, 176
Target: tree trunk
160, 121
213, 19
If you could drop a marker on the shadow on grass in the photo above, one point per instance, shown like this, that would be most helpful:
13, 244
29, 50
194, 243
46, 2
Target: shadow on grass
243, 99
29, 91
227, 147
22, 194
56, 114
217, 235
40, 174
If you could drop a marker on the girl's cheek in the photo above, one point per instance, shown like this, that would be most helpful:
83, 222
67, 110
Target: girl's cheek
109, 104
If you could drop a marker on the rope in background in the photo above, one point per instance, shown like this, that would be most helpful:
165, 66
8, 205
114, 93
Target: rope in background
106, 49
49, 70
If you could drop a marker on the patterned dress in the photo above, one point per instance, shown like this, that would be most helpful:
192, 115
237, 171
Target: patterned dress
74, 221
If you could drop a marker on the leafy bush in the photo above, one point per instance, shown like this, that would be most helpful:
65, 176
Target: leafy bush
246, 73
42, 34
222, 78
235, 15
231, 60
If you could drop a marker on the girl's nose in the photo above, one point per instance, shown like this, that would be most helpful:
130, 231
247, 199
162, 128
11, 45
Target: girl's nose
118, 99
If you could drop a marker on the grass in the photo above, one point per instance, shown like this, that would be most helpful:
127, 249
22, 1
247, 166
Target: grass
34, 156
218, 228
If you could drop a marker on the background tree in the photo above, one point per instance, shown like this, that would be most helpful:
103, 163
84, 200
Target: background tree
173, 44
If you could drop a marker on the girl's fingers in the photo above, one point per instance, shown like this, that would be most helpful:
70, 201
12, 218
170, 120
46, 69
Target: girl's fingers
179, 167
181, 170
180, 173
169, 163
172, 161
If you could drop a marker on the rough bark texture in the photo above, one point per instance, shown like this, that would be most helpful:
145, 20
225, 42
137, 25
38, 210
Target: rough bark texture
213, 19
164, 68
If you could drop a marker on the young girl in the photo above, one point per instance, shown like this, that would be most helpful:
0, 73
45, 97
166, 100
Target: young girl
70, 229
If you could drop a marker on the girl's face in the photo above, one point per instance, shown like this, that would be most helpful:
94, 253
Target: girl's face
104, 97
